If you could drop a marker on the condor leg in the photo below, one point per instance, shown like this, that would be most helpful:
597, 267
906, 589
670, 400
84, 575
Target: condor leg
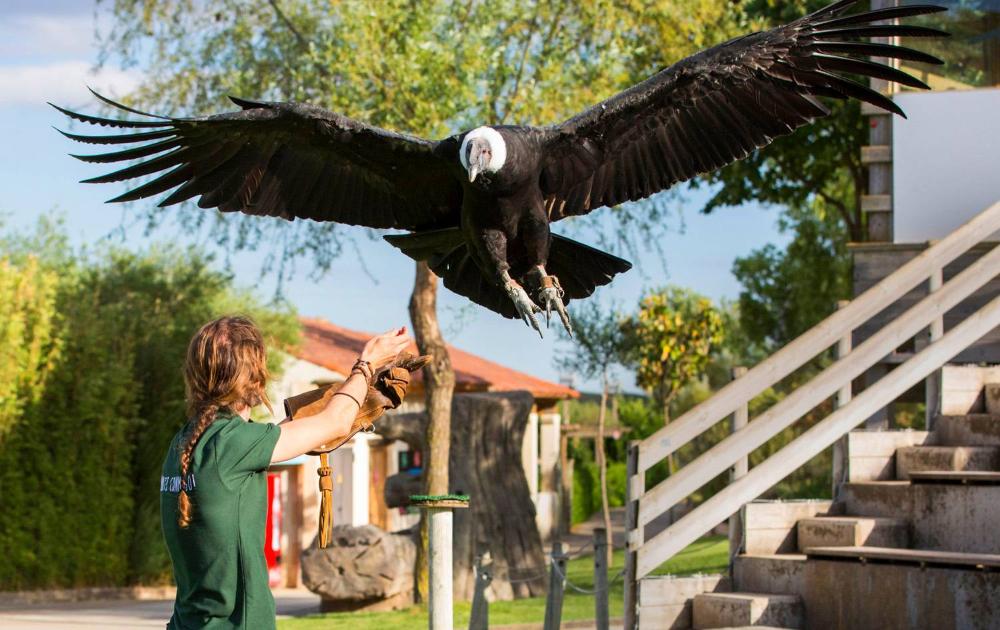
495, 243
550, 294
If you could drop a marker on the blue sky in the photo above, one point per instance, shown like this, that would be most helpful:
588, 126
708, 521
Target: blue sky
47, 53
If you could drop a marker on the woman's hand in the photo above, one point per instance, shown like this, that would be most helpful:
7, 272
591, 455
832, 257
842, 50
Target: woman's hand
382, 350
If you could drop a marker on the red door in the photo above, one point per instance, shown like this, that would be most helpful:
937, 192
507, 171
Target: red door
272, 535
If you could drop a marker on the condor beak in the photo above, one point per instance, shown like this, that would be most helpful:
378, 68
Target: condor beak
479, 159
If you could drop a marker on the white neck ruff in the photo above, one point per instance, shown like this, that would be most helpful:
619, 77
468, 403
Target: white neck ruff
498, 148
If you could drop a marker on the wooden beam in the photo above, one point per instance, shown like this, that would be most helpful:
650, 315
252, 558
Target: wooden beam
876, 203
741, 443
876, 154
783, 362
799, 451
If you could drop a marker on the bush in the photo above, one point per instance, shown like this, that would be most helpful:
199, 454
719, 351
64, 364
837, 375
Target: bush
97, 347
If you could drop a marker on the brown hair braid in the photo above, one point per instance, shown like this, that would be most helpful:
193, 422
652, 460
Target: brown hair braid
226, 368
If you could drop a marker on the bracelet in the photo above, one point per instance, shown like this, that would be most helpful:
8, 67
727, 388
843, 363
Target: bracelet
364, 368
340, 393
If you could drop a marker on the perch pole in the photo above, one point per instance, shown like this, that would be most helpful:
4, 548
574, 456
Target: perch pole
439, 512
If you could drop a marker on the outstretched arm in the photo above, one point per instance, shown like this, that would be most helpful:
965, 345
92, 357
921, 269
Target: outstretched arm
334, 422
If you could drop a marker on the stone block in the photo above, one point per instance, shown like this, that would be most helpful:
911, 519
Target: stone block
871, 454
968, 430
777, 573
726, 610
846, 595
946, 517
852, 531
948, 458
769, 526
665, 601
364, 568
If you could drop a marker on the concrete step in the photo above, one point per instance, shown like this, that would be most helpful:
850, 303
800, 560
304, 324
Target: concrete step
853, 531
914, 557
899, 593
964, 477
770, 573
726, 610
769, 526
871, 455
974, 429
920, 458
665, 600
942, 516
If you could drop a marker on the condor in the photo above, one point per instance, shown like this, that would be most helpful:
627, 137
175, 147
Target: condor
478, 205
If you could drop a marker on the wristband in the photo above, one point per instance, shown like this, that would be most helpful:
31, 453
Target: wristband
364, 368
340, 393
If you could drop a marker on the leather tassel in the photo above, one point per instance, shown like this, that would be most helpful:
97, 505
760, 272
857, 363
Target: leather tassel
326, 501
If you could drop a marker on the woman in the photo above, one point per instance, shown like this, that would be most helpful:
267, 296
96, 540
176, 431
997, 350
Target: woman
213, 492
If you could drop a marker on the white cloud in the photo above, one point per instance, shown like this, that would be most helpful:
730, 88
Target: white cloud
31, 37
63, 82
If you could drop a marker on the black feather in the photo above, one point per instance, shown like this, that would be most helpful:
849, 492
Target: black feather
880, 30
164, 182
875, 49
868, 68
126, 138
888, 13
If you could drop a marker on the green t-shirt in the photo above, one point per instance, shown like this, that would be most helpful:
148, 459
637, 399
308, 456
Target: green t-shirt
218, 559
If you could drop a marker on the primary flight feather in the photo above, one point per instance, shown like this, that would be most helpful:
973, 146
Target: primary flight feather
478, 204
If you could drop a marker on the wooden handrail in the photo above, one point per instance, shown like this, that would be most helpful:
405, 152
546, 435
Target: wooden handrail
793, 355
796, 453
825, 384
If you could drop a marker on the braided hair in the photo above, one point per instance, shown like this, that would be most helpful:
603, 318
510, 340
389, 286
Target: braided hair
226, 369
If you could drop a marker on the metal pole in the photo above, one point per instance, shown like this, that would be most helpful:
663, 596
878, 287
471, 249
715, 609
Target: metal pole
554, 601
441, 613
932, 386
740, 419
601, 615
633, 490
840, 464
479, 619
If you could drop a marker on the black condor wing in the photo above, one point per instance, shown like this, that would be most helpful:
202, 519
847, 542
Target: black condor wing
288, 160
717, 106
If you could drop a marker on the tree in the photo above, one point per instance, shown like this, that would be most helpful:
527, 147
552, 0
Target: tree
598, 345
786, 292
817, 175
424, 66
97, 343
670, 341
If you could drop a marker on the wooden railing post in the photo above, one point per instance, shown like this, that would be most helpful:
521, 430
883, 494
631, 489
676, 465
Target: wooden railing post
742, 466
634, 488
840, 464
602, 617
557, 583
932, 386
479, 618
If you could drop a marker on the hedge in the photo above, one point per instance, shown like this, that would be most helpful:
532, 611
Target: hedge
90, 394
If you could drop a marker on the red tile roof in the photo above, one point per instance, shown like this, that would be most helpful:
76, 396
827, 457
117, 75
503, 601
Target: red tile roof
336, 348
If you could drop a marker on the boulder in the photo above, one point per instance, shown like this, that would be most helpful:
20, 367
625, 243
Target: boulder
364, 568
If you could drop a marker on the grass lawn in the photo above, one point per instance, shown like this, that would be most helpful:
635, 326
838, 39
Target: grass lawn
708, 555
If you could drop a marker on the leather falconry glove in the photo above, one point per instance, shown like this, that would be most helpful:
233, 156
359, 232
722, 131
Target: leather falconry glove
386, 391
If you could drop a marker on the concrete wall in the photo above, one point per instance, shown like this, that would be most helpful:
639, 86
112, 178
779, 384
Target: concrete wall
854, 596
945, 157
942, 516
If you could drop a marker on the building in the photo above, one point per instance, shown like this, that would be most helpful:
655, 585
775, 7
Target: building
361, 466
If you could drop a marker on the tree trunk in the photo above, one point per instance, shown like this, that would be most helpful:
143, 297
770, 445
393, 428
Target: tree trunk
602, 467
439, 384
487, 432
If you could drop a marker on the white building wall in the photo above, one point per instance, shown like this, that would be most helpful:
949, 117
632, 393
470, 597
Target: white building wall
529, 454
946, 161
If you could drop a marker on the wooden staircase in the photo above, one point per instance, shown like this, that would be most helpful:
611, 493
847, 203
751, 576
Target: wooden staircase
912, 539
